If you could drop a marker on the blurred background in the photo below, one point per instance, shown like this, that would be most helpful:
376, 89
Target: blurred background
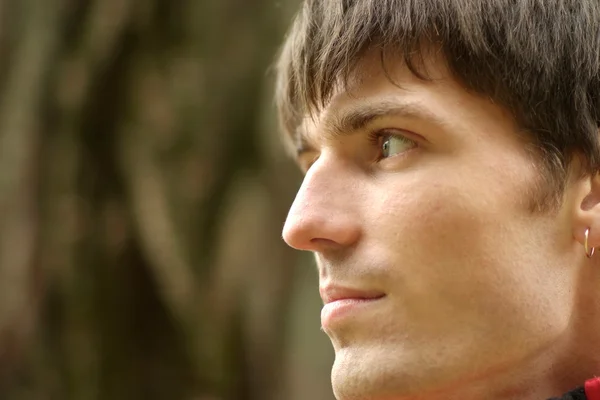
143, 189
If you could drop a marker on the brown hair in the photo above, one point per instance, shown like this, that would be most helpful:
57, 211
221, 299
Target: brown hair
540, 59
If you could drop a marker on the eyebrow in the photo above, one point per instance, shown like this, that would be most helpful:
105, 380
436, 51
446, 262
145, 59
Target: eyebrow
353, 119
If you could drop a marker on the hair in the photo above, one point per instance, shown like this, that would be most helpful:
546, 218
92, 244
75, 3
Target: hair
539, 59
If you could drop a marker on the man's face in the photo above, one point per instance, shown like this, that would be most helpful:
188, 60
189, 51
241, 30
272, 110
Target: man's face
417, 203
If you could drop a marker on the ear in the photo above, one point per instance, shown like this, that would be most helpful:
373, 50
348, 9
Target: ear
587, 197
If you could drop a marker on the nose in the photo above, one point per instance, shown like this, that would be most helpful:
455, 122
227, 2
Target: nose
323, 215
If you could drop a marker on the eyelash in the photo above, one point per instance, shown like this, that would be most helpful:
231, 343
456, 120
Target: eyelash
376, 135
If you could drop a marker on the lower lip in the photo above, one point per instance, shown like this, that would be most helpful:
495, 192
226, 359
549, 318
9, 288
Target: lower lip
340, 309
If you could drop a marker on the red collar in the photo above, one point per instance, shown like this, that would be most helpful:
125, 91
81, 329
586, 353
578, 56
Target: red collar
592, 389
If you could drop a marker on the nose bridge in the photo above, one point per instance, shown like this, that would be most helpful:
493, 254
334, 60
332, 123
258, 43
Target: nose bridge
321, 187
324, 212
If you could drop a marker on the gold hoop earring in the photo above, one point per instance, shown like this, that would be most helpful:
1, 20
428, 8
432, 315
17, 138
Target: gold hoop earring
589, 253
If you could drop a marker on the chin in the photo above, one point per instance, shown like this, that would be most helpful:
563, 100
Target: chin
371, 374
395, 371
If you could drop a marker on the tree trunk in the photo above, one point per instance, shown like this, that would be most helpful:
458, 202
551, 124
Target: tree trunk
142, 198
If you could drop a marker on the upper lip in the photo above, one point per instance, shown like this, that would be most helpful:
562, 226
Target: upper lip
331, 293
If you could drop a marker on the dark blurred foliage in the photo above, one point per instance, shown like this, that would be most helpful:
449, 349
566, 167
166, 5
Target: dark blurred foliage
142, 193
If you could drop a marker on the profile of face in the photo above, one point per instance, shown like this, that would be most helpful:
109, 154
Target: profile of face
418, 203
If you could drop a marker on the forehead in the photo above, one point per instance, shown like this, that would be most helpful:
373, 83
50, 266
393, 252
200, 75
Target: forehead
388, 91
378, 88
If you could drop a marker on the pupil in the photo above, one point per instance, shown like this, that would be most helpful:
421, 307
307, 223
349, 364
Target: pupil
386, 147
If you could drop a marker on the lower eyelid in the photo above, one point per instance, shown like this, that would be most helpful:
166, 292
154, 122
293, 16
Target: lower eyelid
396, 160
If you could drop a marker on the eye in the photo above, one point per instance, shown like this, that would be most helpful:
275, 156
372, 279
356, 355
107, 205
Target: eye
392, 144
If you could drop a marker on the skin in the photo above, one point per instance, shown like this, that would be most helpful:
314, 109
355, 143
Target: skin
484, 297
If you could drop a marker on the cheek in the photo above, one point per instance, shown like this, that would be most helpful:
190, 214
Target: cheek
427, 225
464, 208
460, 248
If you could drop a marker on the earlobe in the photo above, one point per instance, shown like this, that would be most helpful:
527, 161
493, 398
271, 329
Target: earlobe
587, 224
589, 238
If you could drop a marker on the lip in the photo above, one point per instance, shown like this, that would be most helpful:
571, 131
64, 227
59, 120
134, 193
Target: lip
332, 293
341, 303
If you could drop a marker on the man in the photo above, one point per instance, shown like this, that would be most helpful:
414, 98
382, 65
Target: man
451, 193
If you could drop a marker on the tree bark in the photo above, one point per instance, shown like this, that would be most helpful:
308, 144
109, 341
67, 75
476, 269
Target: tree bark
141, 201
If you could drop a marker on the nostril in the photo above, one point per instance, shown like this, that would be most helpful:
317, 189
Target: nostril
298, 232
323, 242
315, 233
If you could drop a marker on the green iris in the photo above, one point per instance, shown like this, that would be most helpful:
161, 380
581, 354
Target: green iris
395, 144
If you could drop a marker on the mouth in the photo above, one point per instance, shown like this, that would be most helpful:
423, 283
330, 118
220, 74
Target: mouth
341, 303
332, 293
